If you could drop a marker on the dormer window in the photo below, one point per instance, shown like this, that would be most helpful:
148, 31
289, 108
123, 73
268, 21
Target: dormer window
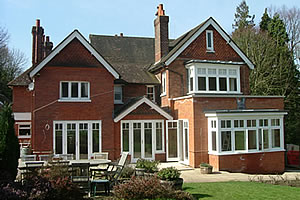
150, 92
74, 91
211, 78
209, 41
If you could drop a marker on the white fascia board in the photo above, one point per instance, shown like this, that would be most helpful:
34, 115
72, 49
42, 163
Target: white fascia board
248, 114
22, 116
221, 32
62, 45
140, 102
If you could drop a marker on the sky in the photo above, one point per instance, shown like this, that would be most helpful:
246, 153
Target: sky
110, 17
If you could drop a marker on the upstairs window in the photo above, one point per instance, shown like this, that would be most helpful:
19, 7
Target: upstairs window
163, 83
72, 90
118, 94
150, 92
209, 41
211, 78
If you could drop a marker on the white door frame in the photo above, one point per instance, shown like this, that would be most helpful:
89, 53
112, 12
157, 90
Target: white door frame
185, 161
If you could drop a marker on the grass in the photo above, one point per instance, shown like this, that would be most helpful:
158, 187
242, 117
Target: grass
241, 190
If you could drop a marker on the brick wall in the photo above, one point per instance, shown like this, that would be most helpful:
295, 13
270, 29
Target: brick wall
267, 162
21, 99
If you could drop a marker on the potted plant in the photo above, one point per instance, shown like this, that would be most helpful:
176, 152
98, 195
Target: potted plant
205, 168
171, 176
146, 166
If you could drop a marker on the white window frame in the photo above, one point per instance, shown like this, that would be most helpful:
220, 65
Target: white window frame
193, 72
118, 88
245, 129
142, 129
147, 93
24, 123
90, 136
210, 49
163, 83
74, 99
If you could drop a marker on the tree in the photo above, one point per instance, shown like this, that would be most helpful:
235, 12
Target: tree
242, 18
11, 63
265, 20
9, 145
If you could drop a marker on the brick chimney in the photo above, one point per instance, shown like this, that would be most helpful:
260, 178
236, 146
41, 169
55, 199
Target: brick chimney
40, 47
161, 28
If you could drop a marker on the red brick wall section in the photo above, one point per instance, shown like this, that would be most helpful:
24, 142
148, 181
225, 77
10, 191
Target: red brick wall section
223, 51
21, 99
268, 162
133, 90
47, 93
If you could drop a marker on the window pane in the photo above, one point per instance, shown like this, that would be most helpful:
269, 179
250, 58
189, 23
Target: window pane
202, 83
74, 89
275, 138
212, 71
64, 89
259, 139
209, 39
232, 84
214, 140
232, 72
159, 136
266, 139
96, 137
58, 139
212, 83
84, 90
226, 140
252, 139
125, 137
240, 139
71, 130
223, 84
222, 71
191, 84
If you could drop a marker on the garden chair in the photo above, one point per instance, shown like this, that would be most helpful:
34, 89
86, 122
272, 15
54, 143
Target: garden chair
98, 155
81, 176
112, 179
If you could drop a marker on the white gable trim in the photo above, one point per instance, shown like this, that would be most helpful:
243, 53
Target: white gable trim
140, 102
84, 42
210, 21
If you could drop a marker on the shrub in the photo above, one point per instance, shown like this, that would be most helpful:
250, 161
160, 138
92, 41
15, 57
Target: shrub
148, 165
148, 188
11, 191
169, 174
127, 172
206, 165
9, 145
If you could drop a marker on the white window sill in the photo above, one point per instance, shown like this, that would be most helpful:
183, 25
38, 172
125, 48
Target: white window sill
214, 92
244, 152
118, 102
74, 100
159, 152
162, 95
24, 136
210, 51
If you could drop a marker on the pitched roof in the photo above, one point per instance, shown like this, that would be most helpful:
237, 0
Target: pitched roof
180, 44
134, 103
130, 56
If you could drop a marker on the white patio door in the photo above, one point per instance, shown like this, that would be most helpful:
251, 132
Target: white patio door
172, 140
143, 146
80, 138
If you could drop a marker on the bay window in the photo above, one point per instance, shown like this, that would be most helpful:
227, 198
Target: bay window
212, 78
243, 134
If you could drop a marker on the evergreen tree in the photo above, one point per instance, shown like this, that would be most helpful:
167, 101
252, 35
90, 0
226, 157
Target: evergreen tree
277, 30
265, 20
9, 145
242, 18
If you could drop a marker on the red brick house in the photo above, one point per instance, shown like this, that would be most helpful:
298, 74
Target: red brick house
184, 100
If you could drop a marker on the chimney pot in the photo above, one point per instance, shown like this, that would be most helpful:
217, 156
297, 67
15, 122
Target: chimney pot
37, 23
160, 10
47, 38
121, 34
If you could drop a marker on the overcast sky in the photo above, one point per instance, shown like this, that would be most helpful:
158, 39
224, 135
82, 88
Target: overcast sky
131, 17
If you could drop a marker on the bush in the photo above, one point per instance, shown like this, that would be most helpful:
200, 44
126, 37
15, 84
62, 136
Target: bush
206, 165
11, 191
127, 172
148, 165
148, 188
169, 174
9, 144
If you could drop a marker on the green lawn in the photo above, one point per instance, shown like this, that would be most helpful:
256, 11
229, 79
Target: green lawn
241, 190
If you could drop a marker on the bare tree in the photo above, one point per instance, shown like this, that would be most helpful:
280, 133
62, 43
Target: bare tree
291, 19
